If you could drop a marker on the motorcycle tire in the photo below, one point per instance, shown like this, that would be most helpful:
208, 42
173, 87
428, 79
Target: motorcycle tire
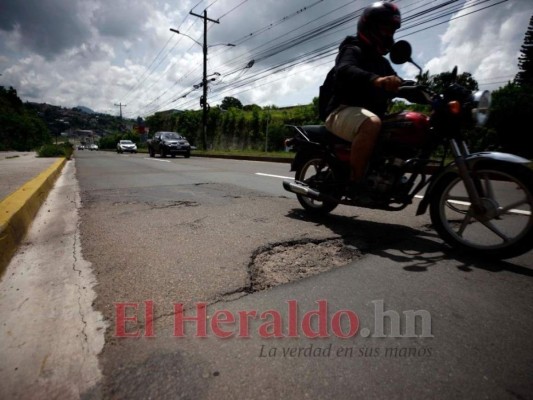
504, 229
318, 174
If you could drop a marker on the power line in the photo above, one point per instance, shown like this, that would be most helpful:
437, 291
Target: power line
432, 15
284, 19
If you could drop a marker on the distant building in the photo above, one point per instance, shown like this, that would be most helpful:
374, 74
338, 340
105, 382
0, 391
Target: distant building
83, 133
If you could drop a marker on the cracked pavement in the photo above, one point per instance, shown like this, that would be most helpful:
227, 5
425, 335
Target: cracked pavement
211, 231
50, 333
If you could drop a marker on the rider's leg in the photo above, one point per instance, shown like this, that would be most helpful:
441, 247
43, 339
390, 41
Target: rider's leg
362, 146
361, 128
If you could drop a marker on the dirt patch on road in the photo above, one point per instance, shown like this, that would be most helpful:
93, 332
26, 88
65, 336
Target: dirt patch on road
291, 261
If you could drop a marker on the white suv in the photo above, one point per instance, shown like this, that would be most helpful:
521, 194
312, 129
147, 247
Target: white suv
126, 146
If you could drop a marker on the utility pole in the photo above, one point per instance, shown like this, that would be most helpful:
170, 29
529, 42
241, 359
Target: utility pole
203, 100
120, 105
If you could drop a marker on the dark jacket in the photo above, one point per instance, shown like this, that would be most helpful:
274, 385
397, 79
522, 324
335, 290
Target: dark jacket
356, 66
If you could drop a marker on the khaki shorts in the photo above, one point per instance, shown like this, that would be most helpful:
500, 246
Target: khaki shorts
345, 121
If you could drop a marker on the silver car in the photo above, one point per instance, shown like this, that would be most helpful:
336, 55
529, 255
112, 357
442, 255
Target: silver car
126, 146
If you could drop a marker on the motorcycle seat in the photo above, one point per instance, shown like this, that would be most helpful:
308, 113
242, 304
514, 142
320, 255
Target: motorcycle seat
320, 134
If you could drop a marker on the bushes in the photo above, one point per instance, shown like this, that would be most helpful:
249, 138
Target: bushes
56, 150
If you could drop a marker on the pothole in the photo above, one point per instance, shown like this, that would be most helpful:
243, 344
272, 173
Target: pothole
291, 261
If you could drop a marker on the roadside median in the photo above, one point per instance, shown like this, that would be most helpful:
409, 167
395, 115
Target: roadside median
19, 208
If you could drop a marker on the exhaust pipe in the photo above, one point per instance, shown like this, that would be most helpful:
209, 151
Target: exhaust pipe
301, 188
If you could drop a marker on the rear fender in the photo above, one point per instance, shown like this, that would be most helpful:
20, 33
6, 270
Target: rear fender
303, 156
475, 160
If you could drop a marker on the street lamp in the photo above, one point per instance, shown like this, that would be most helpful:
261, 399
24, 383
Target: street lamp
203, 99
184, 34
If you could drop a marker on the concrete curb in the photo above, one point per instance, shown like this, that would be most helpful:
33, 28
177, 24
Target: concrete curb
19, 208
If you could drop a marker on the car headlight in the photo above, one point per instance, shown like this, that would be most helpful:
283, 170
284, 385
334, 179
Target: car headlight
482, 102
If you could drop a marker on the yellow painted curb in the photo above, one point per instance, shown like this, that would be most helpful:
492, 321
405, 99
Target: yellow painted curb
18, 209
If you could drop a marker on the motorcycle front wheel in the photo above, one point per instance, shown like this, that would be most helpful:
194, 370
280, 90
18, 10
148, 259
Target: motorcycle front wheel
318, 175
503, 228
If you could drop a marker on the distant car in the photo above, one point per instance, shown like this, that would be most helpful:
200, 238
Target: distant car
93, 146
81, 147
164, 143
126, 146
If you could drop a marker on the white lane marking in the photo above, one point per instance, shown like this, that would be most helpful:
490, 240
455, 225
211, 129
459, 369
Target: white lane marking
522, 212
155, 159
274, 176
418, 196
511, 211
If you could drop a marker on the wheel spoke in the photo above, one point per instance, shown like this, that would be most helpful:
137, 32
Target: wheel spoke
465, 223
503, 224
513, 208
495, 230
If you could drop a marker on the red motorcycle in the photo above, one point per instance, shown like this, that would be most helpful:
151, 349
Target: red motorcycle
479, 202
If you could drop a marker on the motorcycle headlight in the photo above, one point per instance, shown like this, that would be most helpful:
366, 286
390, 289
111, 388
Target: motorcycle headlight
482, 102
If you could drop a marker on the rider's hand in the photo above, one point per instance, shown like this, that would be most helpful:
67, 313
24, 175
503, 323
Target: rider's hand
389, 83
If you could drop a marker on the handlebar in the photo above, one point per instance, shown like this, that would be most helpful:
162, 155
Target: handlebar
415, 93
408, 83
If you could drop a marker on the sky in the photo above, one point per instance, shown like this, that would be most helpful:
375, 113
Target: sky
112, 55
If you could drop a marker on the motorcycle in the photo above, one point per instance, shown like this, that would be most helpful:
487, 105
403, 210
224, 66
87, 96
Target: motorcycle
481, 203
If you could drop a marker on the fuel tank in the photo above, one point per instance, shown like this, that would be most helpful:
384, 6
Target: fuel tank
407, 128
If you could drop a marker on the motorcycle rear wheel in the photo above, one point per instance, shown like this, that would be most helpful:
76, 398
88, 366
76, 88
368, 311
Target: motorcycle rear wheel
319, 175
504, 229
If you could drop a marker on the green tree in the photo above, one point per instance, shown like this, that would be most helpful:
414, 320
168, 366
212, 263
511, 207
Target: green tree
229, 102
438, 83
510, 115
512, 105
524, 77
251, 107
20, 129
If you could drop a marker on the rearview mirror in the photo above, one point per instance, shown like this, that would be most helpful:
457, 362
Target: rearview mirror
401, 52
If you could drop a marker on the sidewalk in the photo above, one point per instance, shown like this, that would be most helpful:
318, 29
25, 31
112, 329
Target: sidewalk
25, 181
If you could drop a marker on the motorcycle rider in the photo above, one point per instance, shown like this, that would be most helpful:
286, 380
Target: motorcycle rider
365, 82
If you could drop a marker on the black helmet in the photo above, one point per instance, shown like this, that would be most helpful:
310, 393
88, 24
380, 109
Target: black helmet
377, 25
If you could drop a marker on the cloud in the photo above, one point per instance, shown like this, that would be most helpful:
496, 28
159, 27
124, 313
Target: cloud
100, 52
46, 27
486, 44
120, 18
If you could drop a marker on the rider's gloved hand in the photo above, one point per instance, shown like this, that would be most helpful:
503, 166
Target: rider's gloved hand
389, 83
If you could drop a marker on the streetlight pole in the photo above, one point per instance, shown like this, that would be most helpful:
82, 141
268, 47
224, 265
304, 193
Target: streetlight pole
203, 99
204, 81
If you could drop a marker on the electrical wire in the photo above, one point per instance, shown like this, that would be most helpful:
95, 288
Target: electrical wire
431, 15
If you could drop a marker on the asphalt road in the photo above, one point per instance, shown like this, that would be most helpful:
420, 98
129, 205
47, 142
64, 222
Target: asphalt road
225, 234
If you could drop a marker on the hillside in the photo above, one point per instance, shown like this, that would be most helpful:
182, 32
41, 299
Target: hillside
60, 120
